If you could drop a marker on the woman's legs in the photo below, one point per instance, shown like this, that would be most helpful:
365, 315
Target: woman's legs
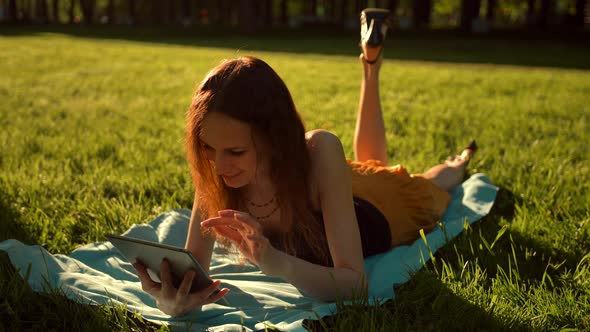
369, 137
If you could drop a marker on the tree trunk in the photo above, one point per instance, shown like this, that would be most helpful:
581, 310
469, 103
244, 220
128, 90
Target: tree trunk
469, 11
545, 13
392, 6
312, 9
530, 13
284, 14
132, 12
476, 8
71, 12
55, 11
158, 12
531, 7
187, 16
12, 11
491, 10
88, 10
580, 8
343, 11
111, 11
421, 11
331, 12
41, 12
171, 17
222, 15
247, 20
267, 16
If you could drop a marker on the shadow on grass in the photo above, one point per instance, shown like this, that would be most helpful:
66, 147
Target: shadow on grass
422, 304
538, 49
9, 226
529, 260
22, 309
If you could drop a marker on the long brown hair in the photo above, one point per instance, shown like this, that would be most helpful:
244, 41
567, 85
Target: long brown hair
249, 90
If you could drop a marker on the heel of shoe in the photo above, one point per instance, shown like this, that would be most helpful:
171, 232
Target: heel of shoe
374, 25
372, 21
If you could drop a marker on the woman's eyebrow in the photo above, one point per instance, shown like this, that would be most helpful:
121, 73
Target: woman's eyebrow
226, 149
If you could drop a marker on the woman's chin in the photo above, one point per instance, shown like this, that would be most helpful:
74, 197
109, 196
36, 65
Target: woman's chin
234, 181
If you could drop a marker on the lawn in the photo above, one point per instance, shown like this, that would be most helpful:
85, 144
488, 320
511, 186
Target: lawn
92, 142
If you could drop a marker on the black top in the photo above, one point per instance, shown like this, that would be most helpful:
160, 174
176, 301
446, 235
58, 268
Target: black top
373, 227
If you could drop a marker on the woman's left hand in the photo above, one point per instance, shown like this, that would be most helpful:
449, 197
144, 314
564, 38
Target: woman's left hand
244, 232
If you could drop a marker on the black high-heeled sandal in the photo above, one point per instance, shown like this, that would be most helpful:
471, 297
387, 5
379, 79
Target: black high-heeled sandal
374, 25
471, 146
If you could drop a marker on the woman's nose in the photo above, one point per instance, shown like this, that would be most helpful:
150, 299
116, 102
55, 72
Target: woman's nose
221, 164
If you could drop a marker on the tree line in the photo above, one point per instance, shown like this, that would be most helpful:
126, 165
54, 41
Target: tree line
254, 15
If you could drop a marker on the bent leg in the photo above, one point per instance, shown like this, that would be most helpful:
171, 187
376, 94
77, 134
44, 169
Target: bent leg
369, 137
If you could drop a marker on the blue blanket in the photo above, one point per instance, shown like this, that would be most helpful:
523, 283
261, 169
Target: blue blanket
97, 273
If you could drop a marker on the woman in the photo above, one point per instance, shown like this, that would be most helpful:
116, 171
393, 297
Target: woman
289, 200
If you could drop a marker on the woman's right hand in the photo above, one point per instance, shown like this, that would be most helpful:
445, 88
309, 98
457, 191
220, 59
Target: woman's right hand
177, 301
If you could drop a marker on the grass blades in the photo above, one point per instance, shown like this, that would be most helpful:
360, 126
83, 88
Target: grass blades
92, 142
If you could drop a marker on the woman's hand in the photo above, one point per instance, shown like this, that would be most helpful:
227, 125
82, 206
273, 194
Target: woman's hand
244, 232
177, 301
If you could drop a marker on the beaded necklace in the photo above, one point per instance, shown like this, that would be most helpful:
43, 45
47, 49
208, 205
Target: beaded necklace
263, 217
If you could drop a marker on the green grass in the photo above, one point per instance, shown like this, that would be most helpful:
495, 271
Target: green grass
92, 142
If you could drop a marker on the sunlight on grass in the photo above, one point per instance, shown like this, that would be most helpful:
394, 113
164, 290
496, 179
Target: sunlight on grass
93, 143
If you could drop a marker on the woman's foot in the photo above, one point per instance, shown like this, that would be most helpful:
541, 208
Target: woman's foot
371, 69
450, 174
463, 159
374, 25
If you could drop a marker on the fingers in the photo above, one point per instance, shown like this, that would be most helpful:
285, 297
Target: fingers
147, 284
226, 213
217, 295
229, 233
174, 301
185, 285
223, 221
166, 278
248, 221
240, 221
208, 295
244, 218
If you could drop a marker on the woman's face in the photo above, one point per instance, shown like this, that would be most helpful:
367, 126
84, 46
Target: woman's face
229, 146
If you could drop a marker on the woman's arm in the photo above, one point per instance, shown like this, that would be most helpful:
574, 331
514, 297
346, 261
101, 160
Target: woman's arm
200, 245
331, 175
321, 282
325, 283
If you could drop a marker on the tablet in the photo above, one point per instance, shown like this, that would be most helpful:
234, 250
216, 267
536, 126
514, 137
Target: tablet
151, 254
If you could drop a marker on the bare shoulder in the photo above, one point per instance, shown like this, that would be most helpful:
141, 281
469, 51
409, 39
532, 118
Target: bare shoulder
333, 184
327, 157
320, 141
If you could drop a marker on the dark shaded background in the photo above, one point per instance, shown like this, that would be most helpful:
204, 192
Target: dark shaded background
256, 16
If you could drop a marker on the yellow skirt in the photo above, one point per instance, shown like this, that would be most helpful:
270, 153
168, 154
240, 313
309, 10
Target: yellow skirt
409, 202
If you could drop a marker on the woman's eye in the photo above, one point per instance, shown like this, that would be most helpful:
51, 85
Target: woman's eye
237, 153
